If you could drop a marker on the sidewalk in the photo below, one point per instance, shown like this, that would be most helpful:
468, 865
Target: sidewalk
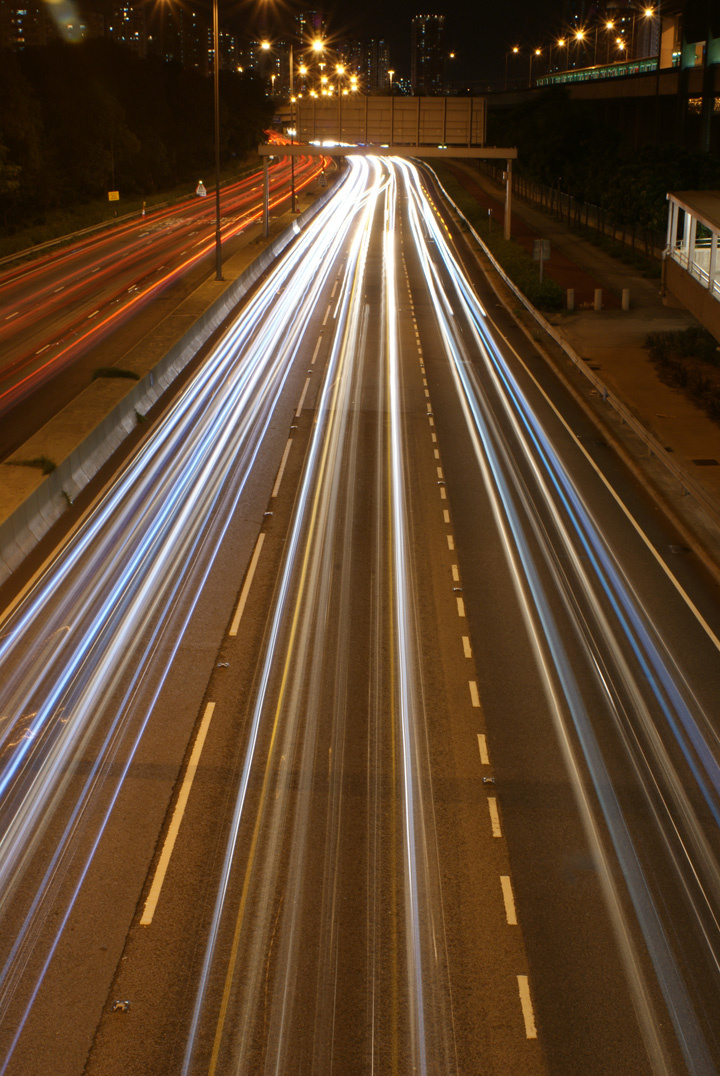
612, 340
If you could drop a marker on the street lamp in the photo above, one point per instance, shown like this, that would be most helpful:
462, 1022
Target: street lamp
391, 73
513, 52
216, 101
580, 37
536, 52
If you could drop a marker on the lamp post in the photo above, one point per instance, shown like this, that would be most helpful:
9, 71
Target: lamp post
580, 38
216, 98
533, 53
513, 52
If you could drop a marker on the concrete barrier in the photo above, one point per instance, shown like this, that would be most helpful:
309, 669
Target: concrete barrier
31, 521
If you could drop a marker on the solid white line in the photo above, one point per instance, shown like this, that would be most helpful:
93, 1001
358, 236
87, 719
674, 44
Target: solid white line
494, 817
280, 473
527, 1007
510, 913
466, 647
475, 698
317, 348
302, 398
247, 584
450, 541
482, 747
164, 861
461, 607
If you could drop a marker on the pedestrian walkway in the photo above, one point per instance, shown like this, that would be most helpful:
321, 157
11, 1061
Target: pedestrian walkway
612, 341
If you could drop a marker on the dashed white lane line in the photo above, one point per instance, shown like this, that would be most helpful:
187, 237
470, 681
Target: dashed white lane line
446, 516
437, 453
280, 473
164, 861
527, 1007
461, 607
467, 650
509, 899
450, 541
302, 397
443, 495
317, 348
482, 748
247, 584
494, 817
440, 472
434, 437
431, 420
332, 293
327, 315
474, 696
455, 573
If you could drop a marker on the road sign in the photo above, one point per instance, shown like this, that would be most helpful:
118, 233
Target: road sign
541, 253
200, 190
113, 196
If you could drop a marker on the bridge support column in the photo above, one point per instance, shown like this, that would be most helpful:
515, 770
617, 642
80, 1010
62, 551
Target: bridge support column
508, 199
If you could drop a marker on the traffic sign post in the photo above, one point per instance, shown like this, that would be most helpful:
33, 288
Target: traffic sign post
541, 253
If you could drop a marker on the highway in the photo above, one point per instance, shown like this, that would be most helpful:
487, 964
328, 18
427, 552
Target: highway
366, 720
57, 308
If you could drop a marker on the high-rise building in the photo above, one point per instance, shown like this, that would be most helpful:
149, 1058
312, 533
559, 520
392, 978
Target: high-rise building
427, 56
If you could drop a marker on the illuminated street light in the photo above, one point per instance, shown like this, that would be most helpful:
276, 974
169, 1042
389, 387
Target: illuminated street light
513, 52
533, 54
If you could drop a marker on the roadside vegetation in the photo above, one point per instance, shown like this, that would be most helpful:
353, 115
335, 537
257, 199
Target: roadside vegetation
81, 120
517, 263
690, 360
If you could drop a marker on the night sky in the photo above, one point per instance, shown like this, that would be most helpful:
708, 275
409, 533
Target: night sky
479, 33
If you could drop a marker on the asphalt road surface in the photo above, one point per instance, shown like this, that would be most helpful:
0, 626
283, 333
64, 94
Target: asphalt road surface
366, 722
56, 311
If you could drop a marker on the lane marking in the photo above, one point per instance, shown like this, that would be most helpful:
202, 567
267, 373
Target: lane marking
427, 393
440, 472
302, 397
437, 453
494, 817
482, 748
317, 348
450, 541
446, 515
327, 315
247, 584
474, 694
171, 837
42, 349
527, 1007
431, 420
509, 899
443, 495
332, 293
280, 473
455, 573
466, 646
461, 607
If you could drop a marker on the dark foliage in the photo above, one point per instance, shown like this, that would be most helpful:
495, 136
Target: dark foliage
690, 359
560, 141
79, 120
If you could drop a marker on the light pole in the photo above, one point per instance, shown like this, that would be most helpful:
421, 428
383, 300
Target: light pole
533, 53
513, 52
216, 97
580, 38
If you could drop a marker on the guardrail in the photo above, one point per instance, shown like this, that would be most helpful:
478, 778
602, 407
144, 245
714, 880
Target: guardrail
687, 485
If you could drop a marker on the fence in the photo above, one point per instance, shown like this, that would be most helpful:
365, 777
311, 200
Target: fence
580, 214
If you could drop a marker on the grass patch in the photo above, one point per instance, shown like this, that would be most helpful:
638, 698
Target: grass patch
515, 260
42, 463
690, 360
114, 371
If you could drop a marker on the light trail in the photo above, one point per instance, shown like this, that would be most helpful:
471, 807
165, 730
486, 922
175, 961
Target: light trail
146, 245
130, 576
611, 621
